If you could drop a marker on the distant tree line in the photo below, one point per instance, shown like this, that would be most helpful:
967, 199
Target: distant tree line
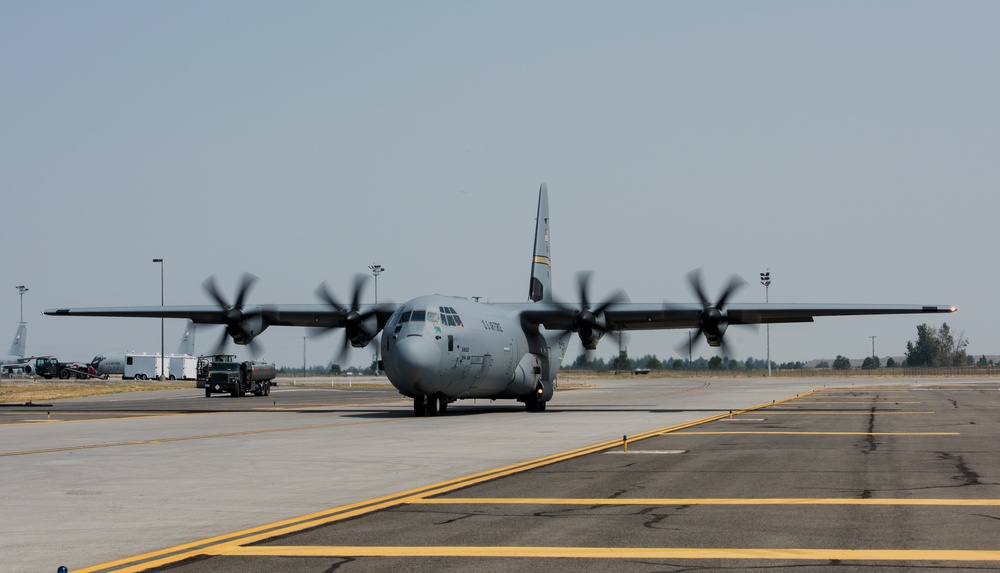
934, 347
623, 362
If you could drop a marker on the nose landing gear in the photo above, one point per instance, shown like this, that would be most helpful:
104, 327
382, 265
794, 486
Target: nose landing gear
430, 405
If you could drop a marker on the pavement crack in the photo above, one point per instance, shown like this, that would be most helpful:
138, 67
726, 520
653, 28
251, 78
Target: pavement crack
870, 443
966, 475
337, 565
454, 519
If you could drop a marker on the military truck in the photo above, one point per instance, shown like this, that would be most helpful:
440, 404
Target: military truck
49, 367
205, 366
239, 378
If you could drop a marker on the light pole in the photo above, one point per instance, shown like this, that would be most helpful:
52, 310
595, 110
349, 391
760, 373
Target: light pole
376, 271
22, 289
765, 279
874, 364
162, 357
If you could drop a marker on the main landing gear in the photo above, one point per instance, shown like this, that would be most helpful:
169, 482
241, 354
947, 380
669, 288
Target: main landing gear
430, 405
535, 402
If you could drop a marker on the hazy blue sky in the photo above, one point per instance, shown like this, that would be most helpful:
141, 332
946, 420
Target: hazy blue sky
850, 147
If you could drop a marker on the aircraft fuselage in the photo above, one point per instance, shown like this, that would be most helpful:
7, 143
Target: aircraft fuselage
439, 345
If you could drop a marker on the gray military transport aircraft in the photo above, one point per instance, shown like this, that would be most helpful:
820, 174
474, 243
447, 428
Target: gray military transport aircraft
438, 349
15, 358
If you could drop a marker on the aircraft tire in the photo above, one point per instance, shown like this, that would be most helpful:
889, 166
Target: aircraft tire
432, 405
442, 404
267, 388
419, 408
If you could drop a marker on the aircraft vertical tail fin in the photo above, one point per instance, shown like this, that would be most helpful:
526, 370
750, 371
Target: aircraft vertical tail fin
20, 340
541, 265
187, 341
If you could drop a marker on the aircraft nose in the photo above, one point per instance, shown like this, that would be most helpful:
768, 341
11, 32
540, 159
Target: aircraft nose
418, 361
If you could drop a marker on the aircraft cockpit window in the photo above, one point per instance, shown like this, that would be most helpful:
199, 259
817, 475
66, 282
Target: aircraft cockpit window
433, 317
418, 315
405, 317
449, 316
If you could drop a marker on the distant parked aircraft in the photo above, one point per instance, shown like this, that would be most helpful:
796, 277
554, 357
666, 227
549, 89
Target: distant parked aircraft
15, 358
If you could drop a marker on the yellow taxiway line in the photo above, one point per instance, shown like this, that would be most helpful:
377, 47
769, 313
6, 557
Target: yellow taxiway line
612, 553
782, 433
706, 501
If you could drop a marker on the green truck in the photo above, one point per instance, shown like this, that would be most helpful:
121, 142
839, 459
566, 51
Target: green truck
240, 378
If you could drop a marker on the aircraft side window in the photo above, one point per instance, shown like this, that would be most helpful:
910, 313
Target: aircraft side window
450, 319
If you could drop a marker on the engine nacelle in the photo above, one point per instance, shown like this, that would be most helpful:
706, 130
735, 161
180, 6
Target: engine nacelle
714, 336
589, 338
361, 331
248, 329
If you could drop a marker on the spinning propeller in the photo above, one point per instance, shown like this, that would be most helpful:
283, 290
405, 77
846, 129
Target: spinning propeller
360, 327
585, 319
233, 316
713, 319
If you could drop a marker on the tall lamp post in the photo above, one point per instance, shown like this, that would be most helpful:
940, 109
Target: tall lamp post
162, 357
22, 289
765, 279
376, 271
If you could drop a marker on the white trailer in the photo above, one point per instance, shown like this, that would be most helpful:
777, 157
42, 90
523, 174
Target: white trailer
182, 367
141, 366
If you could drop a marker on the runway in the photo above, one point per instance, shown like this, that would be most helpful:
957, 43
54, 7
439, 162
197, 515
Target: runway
898, 474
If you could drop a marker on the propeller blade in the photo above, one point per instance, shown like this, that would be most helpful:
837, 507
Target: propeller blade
212, 289
735, 283
694, 282
246, 283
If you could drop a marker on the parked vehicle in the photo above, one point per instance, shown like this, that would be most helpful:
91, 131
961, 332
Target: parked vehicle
239, 378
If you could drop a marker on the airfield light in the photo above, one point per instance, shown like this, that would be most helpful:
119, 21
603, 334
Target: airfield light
765, 279
22, 289
376, 271
162, 370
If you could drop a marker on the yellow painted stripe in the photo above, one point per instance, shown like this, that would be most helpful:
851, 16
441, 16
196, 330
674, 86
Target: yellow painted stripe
857, 402
703, 501
833, 413
780, 433
186, 438
614, 553
542, 260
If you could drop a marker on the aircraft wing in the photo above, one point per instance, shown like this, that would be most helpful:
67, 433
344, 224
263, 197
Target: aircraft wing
318, 315
688, 316
640, 316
